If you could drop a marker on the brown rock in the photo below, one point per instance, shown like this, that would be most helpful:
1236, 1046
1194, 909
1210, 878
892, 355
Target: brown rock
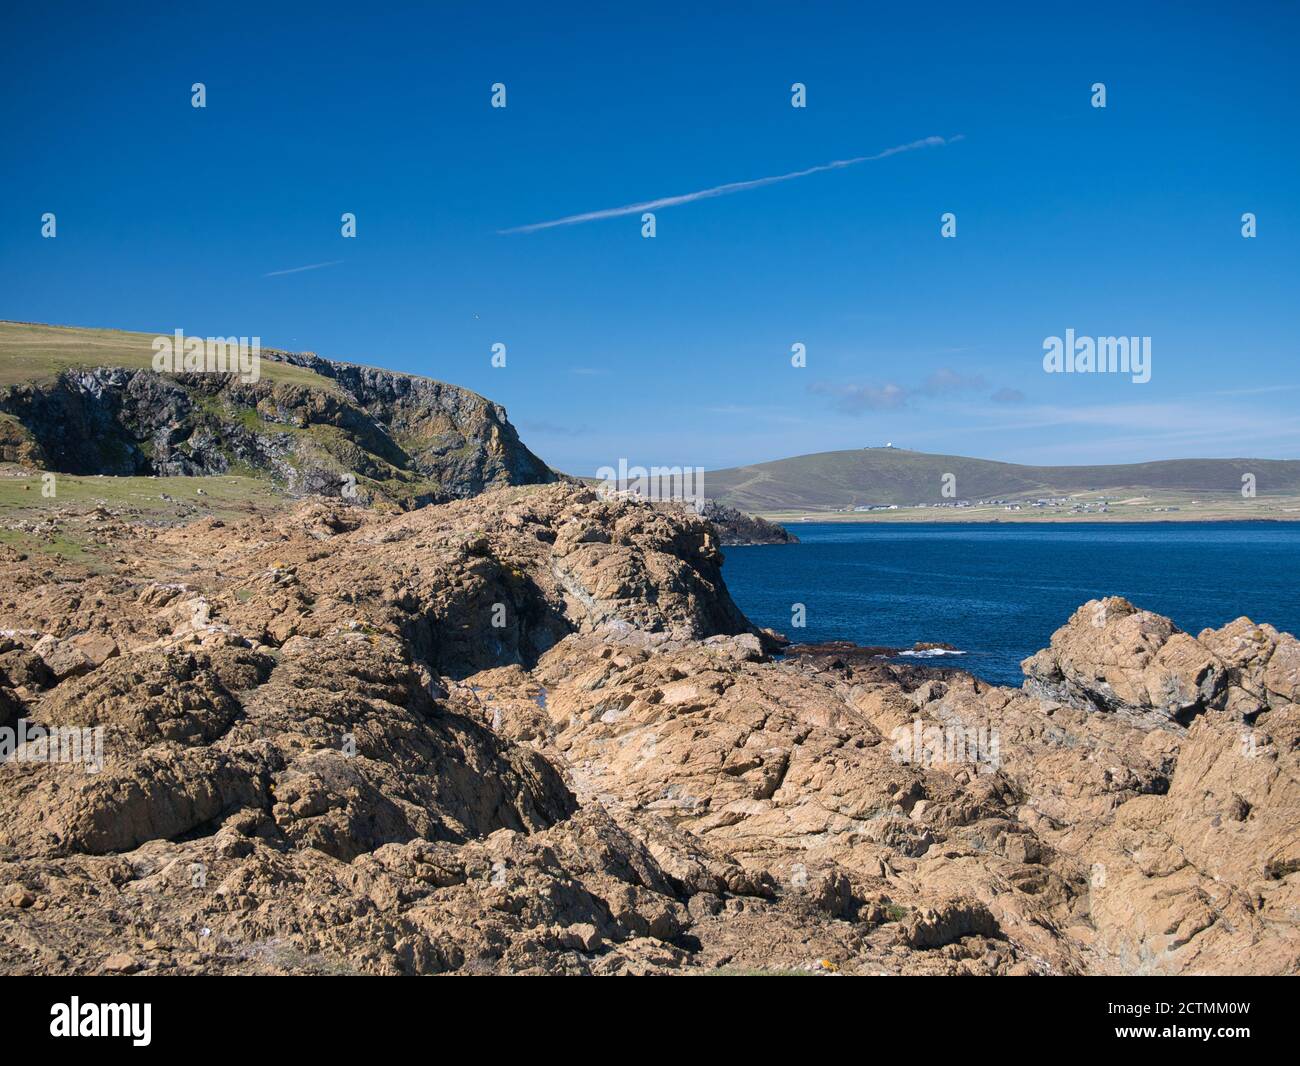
933, 927
16, 896
1113, 657
531, 733
121, 963
63, 658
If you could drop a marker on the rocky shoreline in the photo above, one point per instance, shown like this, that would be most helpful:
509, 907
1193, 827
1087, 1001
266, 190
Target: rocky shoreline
838, 653
737, 529
531, 733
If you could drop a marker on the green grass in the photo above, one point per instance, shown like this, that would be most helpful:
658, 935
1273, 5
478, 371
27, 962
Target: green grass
32, 352
140, 499
68, 548
21, 496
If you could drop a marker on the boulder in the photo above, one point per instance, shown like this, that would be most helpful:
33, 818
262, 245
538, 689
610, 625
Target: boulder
1113, 657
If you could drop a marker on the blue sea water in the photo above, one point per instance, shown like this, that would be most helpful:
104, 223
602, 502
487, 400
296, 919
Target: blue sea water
998, 591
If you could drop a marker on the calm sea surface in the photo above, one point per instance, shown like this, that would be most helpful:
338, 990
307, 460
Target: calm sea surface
997, 592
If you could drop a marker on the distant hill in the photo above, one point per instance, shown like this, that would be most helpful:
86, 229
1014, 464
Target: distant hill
829, 480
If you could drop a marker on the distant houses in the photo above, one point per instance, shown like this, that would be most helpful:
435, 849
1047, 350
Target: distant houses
1057, 504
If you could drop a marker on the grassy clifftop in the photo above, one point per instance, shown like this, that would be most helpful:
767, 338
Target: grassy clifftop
88, 402
30, 352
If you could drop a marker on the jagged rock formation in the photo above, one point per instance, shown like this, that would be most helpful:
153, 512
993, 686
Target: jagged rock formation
735, 527
1113, 657
405, 439
531, 733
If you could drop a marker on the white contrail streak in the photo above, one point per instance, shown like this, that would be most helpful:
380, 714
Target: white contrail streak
299, 270
730, 187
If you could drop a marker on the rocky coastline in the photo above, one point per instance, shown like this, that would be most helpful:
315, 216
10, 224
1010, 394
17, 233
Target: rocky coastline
531, 733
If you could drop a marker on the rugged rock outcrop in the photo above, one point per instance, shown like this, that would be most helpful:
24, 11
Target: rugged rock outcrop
1113, 657
530, 732
737, 528
401, 438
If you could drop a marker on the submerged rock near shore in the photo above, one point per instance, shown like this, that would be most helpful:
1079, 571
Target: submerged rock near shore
531, 733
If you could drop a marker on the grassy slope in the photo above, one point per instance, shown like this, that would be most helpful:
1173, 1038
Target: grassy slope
30, 352
24, 509
893, 476
33, 351
21, 495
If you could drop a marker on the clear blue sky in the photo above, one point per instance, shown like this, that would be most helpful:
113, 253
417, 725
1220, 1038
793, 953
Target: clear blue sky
677, 349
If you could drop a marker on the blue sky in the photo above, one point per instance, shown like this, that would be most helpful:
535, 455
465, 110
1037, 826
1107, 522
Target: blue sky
676, 349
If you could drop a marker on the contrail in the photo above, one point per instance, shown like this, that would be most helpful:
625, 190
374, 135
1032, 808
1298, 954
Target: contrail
730, 187
299, 270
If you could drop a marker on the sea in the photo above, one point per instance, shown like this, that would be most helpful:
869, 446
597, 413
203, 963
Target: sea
996, 592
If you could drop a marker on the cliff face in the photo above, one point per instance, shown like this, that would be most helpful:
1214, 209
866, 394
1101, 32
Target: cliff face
402, 438
530, 732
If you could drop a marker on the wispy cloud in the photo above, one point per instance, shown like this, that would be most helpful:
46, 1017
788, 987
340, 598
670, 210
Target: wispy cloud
853, 399
1189, 427
299, 270
1256, 391
730, 187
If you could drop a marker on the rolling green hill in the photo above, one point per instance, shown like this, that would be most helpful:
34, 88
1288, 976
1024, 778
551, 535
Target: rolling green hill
834, 480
